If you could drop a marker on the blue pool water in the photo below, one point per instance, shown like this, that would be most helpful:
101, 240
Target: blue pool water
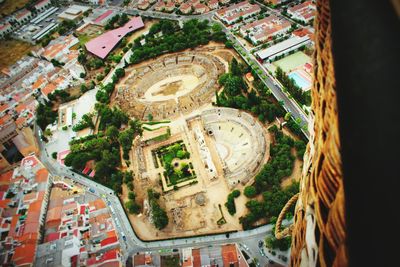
299, 80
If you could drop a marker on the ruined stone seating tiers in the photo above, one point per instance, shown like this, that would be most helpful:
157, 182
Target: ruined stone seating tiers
239, 140
205, 67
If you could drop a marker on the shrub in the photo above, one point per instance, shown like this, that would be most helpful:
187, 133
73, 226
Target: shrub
131, 195
250, 191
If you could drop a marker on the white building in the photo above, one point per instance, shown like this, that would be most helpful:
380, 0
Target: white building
264, 29
42, 5
304, 12
5, 29
22, 16
284, 47
242, 10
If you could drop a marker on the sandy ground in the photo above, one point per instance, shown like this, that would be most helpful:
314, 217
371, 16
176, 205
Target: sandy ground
12, 50
9, 6
159, 91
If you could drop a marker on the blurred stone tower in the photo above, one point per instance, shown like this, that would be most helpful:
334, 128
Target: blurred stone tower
319, 229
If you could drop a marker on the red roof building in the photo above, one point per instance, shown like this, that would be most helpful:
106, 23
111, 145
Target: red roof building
102, 45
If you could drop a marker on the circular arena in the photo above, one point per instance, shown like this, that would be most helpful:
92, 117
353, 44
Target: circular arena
170, 85
239, 140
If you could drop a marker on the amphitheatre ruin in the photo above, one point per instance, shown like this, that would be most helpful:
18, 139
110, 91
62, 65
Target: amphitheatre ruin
172, 84
193, 153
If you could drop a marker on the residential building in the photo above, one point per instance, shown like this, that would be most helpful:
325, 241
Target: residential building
193, 2
42, 5
200, 8
227, 255
24, 195
60, 50
16, 141
224, 2
264, 29
276, 2
304, 12
22, 16
102, 45
232, 256
97, 2
79, 230
5, 29
169, 6
143, 4
213, 4
159, 6
233, 13
185, 8
293, 43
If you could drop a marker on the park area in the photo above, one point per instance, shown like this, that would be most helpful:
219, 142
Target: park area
12, 50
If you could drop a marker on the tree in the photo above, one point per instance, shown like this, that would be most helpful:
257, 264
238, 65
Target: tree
180, 154
250, 191
54, 155
112, 132
133, 207
120, 72
131, 195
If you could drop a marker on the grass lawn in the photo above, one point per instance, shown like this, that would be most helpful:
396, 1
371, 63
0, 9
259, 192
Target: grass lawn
175, 174
12, 50
84, 38
9, 6
291, 62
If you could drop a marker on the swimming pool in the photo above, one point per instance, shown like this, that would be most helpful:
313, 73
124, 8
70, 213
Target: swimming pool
300, 80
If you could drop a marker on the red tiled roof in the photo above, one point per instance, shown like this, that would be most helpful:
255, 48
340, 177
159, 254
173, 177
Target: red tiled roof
4, 107
5, 119
139, 260
103, 44
24, 254
42, 3
4, 202
103, 16
108, 241
196, 258
229, 255
42, 175
52, 236
48, 89
82, 210
5, 178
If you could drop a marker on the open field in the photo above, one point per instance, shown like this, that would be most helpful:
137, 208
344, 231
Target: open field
12, 50
9, 6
